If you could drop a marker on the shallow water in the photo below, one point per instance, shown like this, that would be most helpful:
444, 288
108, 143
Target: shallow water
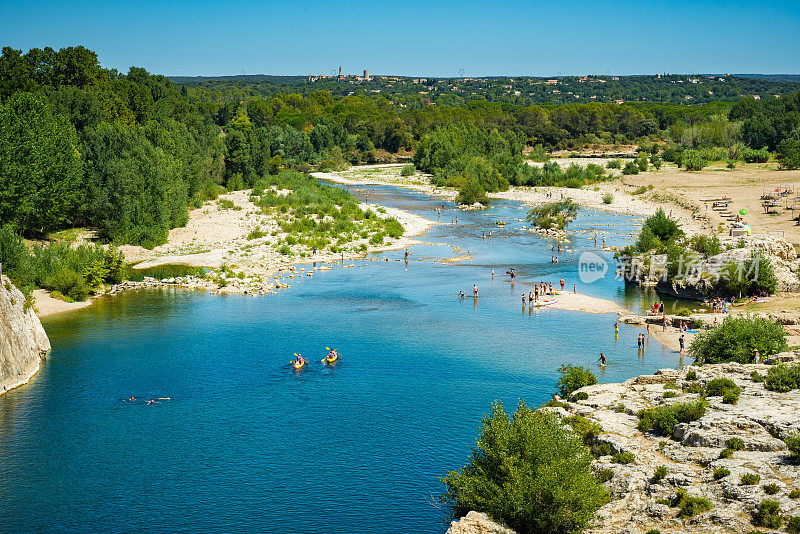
246, 443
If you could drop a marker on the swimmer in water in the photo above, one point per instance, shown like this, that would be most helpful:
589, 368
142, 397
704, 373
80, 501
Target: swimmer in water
602, 359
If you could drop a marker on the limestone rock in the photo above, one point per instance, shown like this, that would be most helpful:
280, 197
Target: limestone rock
21, 338
477, 523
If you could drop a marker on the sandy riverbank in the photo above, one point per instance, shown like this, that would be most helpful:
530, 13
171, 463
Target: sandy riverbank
216, 236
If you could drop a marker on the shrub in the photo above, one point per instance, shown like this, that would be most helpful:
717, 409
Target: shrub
640, 190
768, 514
735, 339
574, 378
408, 170
755, 376
579, 396
725, 453
670, 394
653, 531
586, 429
605, 475
771, 489
608, 198
256, 233
755, 156
691, 375
734, 444
749, 479
664, 418
793, 444
623, 458
553, 214
693, 161
641, 162
659, 473
725, 388
619, 408
689, 506
783, 378
655, 159
794, 494
630, 168
528, 458
707, 246
613, 164
721, 472
793, 525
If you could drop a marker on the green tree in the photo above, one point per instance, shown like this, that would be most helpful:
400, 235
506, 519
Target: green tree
789, 153
40, 165
736, 338
528, 471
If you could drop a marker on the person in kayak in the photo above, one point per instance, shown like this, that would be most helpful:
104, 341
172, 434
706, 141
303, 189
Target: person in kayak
299, 360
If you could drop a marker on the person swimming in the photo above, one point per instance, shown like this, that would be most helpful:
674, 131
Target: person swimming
602, 359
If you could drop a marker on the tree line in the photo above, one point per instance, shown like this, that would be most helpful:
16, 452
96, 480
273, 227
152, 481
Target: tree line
129, 154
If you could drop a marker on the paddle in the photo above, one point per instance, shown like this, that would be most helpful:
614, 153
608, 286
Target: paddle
292, 363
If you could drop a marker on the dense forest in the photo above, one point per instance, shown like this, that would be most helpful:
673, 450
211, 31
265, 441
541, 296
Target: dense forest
130, 154
522, 90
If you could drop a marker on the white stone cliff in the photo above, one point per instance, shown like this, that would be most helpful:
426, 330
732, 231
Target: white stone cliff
21, 338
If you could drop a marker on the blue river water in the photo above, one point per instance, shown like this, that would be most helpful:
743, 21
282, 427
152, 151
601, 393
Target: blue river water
246, 444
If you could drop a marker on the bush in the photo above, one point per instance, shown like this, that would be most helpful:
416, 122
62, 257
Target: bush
707, 246
755, 156
725, 388
755, 376
586, 429
608, 198
768, 514
256, 233
623, 458
655, 159
725, 453
630, 168
553, 215
693, 161
771, 489
793, 525
613, 164
659, 473
528, 471
641, 162
749, 277
664, 418
605, 475
735, 339
579, 396
749, 479
721, 472
793, 444
783, 378
794, 494
408, 170
691, 375
574, 378
689, 506
734, 444
670, 394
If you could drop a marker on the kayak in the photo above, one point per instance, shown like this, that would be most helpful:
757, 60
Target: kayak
537, 303
298, 366
331, 361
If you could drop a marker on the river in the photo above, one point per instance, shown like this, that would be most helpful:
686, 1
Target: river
247, 444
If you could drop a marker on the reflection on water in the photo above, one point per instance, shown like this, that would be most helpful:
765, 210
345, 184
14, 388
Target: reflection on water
247, 442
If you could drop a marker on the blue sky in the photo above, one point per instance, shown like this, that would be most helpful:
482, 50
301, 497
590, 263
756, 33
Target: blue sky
418, 38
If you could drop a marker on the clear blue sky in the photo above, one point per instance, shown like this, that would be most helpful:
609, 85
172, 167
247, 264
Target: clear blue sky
501, 37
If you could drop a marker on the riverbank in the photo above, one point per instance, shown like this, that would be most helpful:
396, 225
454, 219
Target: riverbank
220, 236
691, 456
23, 341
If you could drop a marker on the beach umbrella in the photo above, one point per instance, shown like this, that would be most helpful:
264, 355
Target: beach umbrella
742, 211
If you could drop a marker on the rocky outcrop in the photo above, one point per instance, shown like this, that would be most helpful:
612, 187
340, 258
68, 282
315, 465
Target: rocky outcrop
697, 280
477, 523
23, 341
761, 419
641, 502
